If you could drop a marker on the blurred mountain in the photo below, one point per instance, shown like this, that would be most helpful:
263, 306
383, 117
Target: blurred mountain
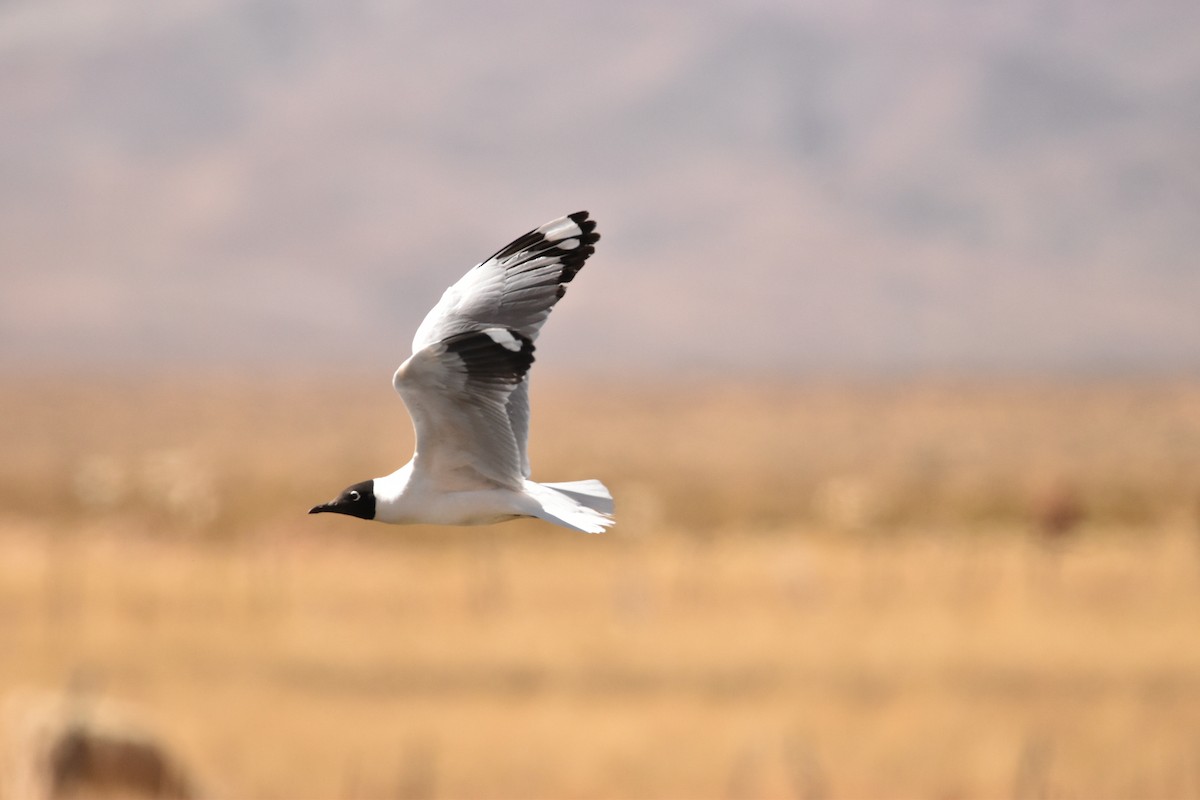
833, 186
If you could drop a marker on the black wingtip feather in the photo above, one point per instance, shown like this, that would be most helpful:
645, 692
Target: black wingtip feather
535, 240
523, 242
585, 224
535, 244
572, 262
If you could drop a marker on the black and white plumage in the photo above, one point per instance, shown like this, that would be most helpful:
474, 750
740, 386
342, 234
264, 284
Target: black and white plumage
466, 386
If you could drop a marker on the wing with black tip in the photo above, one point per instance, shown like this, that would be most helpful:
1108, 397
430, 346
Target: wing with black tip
513, 290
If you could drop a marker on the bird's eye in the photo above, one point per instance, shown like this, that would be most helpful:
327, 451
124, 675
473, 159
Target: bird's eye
354, 496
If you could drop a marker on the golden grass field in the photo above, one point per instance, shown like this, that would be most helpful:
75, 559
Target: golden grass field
813, 590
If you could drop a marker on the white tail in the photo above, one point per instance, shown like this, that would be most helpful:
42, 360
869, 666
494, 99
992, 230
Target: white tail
585, 506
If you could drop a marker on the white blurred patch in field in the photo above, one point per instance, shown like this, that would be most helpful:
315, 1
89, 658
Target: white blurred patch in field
181, 486
175, 483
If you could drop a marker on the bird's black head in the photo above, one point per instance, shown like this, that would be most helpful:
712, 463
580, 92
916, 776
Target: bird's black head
357, 501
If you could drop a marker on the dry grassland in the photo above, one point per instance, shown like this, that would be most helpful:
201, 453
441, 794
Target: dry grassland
948, 590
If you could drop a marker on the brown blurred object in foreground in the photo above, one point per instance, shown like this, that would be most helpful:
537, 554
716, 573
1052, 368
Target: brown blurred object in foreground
75, 747
1057, 513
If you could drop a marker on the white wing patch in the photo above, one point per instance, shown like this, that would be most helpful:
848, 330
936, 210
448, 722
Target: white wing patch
504, 338
562, 228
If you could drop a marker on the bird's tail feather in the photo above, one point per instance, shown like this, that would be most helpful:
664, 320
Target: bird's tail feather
593, 494
581, 505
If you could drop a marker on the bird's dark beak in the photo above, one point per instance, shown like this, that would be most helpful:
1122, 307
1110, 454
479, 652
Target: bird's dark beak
321, 508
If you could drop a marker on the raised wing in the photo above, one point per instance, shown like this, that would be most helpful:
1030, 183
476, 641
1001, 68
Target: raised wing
515, 290
456, 391
517, 286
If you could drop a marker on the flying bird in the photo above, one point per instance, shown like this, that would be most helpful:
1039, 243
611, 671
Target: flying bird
466, 386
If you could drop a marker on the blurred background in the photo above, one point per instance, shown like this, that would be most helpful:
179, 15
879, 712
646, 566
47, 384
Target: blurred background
889, 352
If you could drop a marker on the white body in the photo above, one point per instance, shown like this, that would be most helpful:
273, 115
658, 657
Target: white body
407, 497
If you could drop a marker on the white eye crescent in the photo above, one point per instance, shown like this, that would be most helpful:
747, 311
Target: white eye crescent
354, 495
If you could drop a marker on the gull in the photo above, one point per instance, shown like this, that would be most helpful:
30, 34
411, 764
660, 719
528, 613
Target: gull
466, 386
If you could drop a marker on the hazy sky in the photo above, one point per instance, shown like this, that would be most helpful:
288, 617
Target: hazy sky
779, 185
